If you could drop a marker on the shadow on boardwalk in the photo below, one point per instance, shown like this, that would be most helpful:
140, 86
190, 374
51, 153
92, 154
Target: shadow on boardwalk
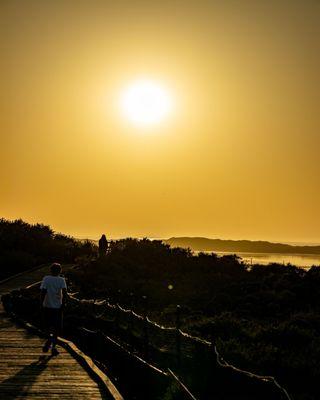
17, 385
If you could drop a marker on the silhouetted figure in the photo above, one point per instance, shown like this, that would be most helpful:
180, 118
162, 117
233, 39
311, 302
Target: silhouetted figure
103, 246
53, 297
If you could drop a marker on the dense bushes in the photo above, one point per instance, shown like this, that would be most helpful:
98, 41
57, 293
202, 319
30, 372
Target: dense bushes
23, 246
264, 318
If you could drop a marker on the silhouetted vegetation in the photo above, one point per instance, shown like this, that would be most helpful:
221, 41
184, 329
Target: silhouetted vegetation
24, 245
264, 318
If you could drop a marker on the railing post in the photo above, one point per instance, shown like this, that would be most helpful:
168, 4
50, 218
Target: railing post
117, 316
93, 308
145, 329
130, 322
178, 335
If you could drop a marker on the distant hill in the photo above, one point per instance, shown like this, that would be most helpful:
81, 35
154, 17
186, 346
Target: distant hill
246, 246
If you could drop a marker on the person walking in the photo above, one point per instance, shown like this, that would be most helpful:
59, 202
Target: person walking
53, 298
103, 246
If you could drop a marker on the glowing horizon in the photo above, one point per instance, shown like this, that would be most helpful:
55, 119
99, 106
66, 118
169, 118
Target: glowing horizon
229, 147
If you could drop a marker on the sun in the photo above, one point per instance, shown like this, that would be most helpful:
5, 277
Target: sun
146, 102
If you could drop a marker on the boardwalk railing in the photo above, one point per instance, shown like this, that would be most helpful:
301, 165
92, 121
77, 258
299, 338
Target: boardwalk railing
192, 362
166, 347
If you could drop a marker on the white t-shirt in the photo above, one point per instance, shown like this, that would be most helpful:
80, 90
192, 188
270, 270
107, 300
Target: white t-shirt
54, 286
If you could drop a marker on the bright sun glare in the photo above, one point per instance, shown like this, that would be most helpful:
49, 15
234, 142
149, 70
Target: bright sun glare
146, 102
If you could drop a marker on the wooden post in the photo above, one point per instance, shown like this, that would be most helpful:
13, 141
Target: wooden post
130, 322
178, 335
145, 329
93, 308
117, 317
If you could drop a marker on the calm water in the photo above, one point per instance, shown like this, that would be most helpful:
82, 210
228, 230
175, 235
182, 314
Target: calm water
300, 260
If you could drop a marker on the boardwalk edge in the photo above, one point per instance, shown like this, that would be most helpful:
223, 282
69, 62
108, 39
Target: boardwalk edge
87, 363
90, 366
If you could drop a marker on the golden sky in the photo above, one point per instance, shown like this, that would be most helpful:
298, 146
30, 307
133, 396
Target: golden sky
237, 158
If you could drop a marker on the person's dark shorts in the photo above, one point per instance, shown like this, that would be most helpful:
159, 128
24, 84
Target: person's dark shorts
52, 318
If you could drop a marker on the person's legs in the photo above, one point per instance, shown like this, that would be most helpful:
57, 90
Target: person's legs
56, 330
46, 346
53, 327
54, 350
47, 322
48, 343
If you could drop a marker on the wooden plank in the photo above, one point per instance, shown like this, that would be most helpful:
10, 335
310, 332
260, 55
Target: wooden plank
25, 373
69, 379
47, 385
66, 396
47, 390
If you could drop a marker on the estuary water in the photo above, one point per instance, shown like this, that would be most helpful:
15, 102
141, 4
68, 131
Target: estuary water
300, 260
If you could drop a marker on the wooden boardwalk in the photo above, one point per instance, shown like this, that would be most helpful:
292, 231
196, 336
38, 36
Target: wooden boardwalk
27, 373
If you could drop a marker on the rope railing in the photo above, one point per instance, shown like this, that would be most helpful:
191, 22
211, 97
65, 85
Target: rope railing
160, 347
182, 385
175, 340
169, 373
267, 378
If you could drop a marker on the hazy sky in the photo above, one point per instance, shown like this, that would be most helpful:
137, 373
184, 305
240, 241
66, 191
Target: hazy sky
239, 155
